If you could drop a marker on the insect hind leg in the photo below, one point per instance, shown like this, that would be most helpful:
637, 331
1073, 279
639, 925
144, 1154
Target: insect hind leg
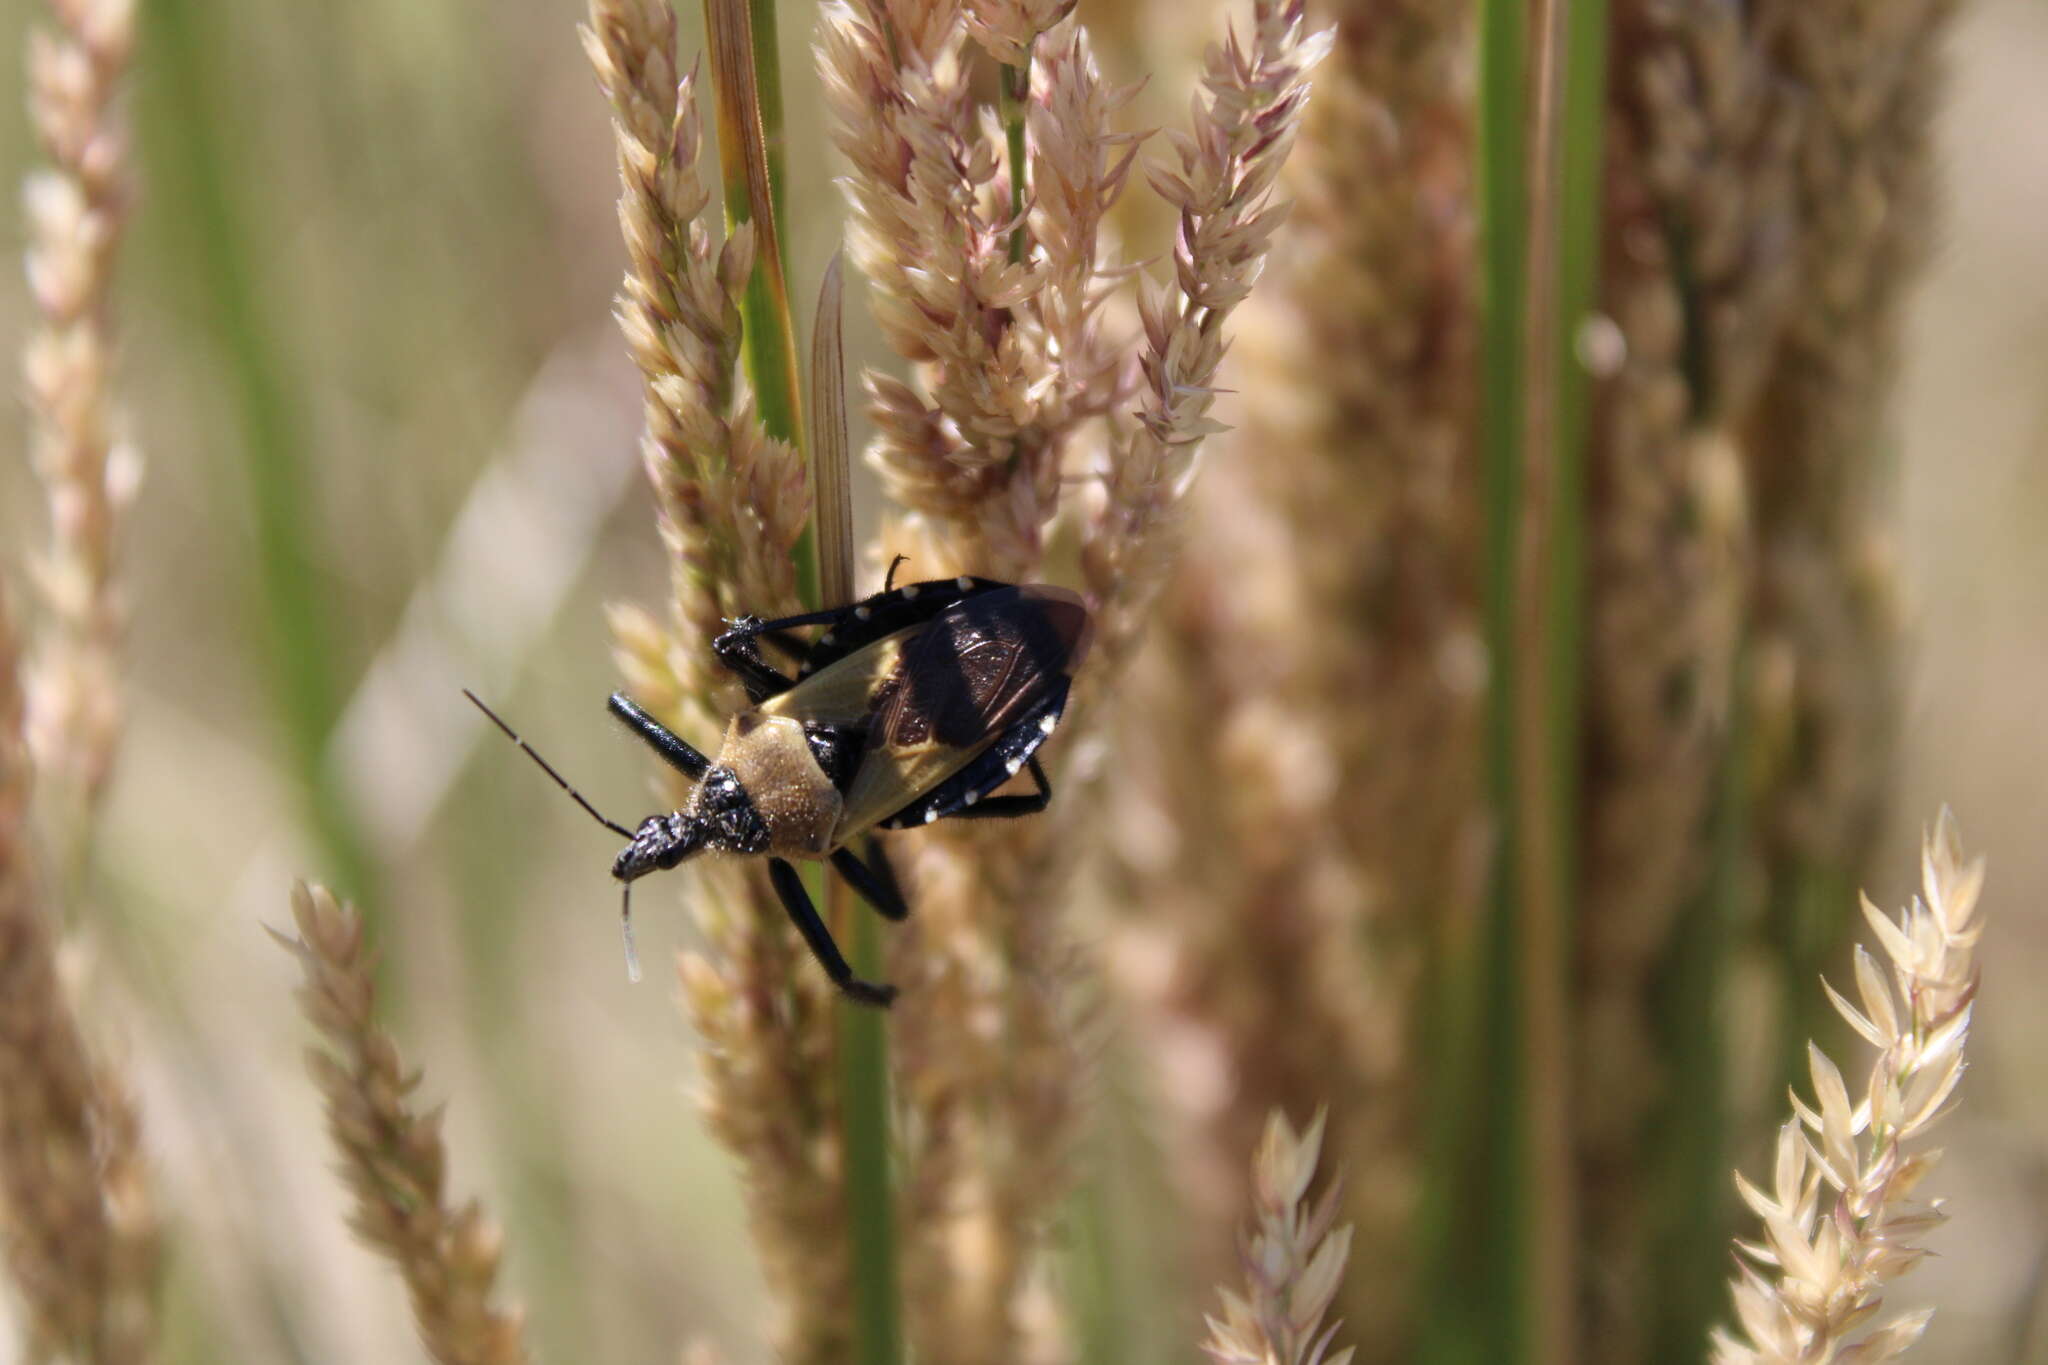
796, 902
874, 881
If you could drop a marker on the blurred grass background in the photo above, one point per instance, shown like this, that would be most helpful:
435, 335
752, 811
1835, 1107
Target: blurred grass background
390, 441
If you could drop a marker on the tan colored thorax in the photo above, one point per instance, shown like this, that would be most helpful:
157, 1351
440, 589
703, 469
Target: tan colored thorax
791, 793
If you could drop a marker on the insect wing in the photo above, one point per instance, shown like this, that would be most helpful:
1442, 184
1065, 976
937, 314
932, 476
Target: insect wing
960, 683
844, 692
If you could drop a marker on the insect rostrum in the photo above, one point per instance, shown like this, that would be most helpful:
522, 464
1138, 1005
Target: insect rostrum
910, 706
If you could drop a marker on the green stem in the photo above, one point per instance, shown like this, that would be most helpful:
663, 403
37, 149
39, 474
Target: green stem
747, 84
870, 1201
1471, 1230
195, 187
1014, 99
768, 82
749, 93
1686, 1157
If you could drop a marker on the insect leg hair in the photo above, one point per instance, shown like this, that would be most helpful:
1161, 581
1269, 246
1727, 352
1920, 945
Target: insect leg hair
612, 825
664, 741
789, 888
877, 888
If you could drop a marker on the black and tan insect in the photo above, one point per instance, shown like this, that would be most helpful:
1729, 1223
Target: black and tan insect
910, 706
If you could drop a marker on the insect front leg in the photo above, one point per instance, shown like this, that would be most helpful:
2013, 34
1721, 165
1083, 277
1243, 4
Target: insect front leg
789, 888
658, 737
737, 650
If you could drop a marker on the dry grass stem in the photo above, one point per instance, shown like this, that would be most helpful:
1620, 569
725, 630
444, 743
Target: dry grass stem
392, 1157
1864, 184
81, 1235
1840, 1221
1293, 1261
77, 208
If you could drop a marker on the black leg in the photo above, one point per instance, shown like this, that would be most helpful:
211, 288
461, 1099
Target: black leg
1009, 807
789, 888
736, 649
875, 883
659, 737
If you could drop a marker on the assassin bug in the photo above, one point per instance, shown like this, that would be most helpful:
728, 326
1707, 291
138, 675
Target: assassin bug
912, 705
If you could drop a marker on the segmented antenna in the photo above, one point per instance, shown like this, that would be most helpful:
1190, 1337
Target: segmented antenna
511, 734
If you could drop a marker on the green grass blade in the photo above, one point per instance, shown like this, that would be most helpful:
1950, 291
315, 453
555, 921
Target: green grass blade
747, 86
191, 180
1469, 1232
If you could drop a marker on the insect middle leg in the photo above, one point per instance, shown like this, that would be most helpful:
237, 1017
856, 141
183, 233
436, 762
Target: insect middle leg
789, 889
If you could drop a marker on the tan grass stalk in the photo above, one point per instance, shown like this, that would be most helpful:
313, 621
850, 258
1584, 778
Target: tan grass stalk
392, 1157
81, 1235
1668, 570
1864, 174
77, 208
1840, 1220
732, 503
1293, 1261
1319, 645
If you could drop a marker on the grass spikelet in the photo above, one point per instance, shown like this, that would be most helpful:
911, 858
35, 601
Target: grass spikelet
732, 501
1219, 181
1840, 1220
1007, 353
1346, 832
732, 504
392, 1157
77, 209
765, 1015
81, 1230
1293, 1261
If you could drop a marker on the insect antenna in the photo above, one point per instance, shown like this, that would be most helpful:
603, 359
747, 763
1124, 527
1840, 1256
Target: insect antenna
511, 734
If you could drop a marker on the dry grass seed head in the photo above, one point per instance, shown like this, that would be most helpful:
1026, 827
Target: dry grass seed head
392, 1156
1840, 1220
